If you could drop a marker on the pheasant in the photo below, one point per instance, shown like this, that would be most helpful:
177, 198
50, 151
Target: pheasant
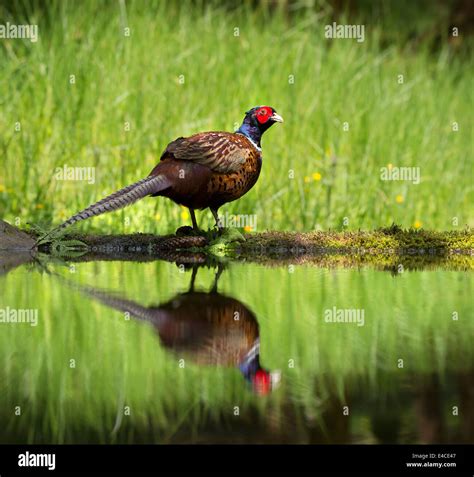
202, 171
206, 328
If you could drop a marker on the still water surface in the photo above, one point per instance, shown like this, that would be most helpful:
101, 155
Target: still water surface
124, 352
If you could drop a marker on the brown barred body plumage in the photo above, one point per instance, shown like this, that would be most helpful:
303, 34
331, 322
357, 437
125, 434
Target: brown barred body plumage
223, 176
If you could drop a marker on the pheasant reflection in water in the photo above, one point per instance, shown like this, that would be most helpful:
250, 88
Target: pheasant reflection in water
208, 328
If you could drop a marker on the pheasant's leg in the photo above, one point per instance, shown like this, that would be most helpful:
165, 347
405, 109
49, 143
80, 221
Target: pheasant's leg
220, 269
193, 218
193, 278
216, 216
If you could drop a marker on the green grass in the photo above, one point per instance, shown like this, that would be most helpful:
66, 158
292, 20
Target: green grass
135, 79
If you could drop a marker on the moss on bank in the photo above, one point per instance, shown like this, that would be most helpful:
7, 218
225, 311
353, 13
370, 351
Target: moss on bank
381, 241
388, 248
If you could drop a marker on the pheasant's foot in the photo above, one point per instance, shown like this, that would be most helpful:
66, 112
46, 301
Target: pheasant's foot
185, 231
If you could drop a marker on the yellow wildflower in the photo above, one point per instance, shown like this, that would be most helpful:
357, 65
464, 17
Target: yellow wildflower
40, 206
157, 216
417, 224
307, 179
390, 166
247, 228
184, 214
317, 176
2, 188
399, 199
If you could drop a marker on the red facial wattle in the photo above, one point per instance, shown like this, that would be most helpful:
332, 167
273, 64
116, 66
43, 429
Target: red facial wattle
263, 114
262, 382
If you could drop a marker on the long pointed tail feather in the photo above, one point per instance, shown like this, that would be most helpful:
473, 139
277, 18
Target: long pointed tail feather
113, 300
122, 198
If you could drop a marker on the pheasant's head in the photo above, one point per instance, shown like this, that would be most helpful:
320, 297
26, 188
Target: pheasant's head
263, 117
257, 120
263, 382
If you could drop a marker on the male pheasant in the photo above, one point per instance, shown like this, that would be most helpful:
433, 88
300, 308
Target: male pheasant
202, 328
205, 170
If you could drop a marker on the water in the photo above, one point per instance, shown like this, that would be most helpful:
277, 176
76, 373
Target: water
126, 352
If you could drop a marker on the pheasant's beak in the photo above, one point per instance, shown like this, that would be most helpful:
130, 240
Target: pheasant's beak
275, 379
276, 118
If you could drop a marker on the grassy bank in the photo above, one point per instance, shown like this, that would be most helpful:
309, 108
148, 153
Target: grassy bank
385, 249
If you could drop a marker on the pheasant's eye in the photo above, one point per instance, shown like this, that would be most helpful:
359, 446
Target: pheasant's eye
262, 112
